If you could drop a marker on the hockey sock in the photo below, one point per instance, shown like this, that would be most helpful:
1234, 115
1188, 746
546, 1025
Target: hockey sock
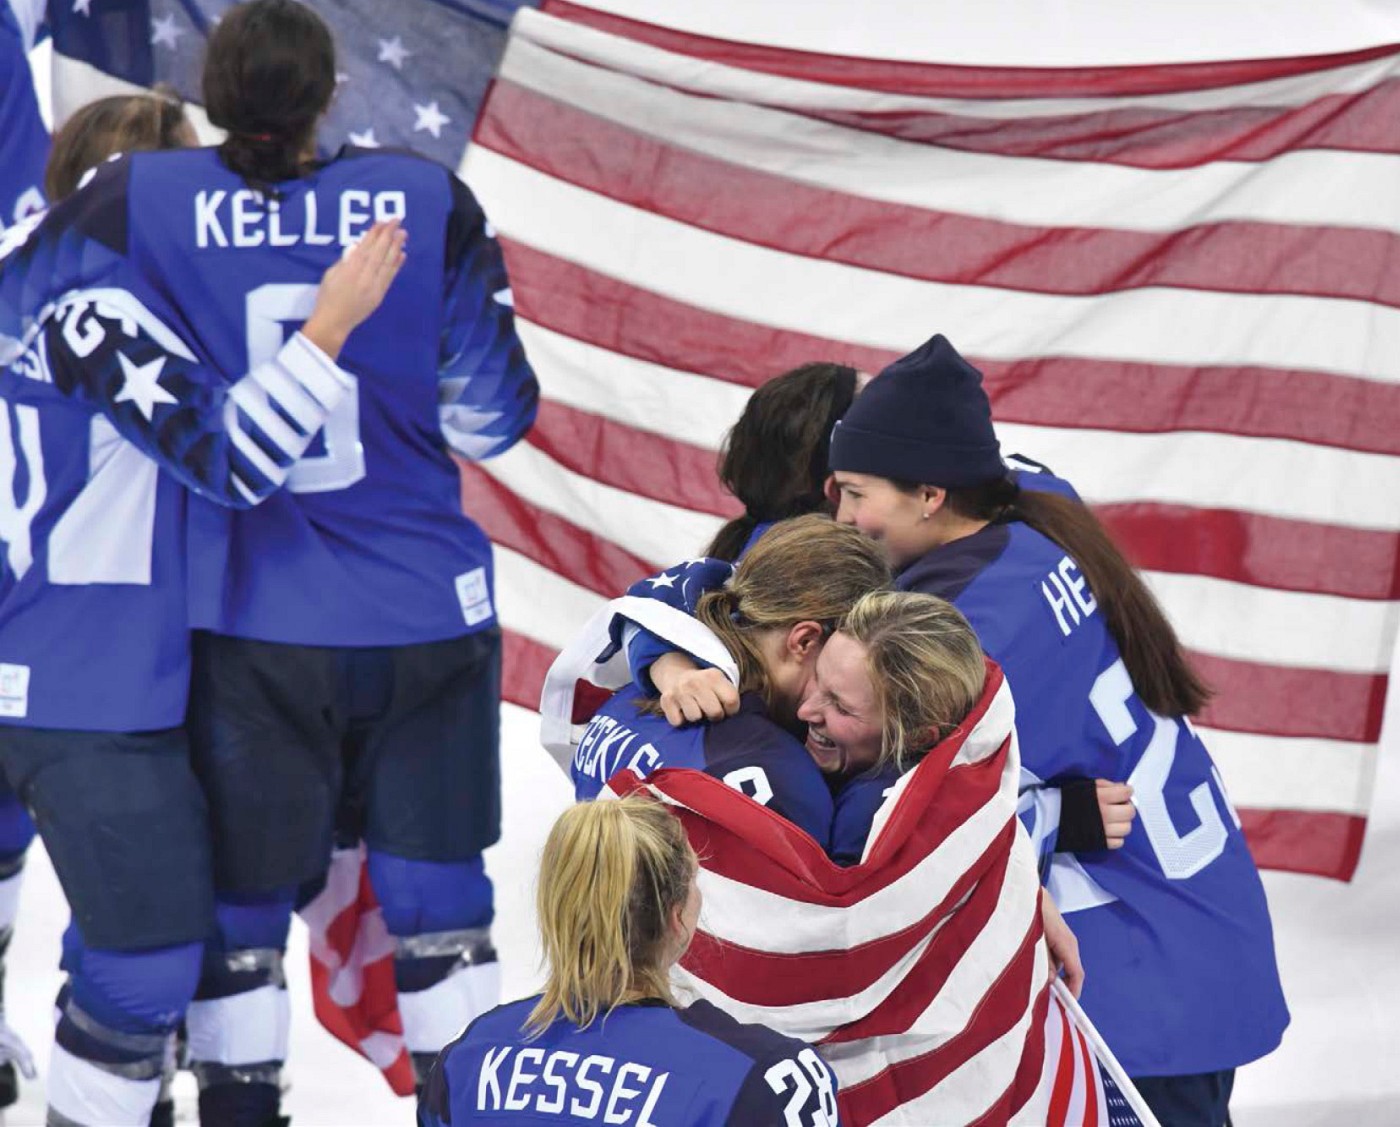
238, 1024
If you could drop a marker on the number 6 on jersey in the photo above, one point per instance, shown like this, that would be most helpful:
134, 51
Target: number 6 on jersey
269, 307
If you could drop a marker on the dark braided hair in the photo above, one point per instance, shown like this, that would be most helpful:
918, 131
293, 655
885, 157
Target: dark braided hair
269, 75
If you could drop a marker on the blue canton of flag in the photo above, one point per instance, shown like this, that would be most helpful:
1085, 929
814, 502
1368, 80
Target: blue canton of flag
409, 75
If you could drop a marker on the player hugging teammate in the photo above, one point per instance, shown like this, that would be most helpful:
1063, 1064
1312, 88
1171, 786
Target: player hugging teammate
284, 553
242, 618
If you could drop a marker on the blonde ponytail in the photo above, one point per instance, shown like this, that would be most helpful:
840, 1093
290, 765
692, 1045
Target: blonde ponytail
611, 875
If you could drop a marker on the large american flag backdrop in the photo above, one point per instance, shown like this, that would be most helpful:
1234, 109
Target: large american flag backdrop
1178, 280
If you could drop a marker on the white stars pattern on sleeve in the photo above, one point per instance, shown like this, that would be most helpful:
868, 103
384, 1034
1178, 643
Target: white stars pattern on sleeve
142, 385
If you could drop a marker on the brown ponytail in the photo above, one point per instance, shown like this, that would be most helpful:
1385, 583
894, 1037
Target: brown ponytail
269, 75
122, 123
774, 458
1151, 651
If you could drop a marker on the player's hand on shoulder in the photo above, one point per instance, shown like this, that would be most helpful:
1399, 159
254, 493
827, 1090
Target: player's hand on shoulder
688, 694
355, 285
1117, 810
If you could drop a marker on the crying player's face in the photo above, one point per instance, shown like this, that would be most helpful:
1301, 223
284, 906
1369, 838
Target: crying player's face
843, 718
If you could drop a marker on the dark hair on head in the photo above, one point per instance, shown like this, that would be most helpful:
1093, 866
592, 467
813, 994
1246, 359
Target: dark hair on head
123, 123
1151, 651
269, 75
774, 458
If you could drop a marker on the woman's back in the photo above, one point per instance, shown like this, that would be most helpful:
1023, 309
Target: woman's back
371, 517
1184, 883
645, 1063
748, 751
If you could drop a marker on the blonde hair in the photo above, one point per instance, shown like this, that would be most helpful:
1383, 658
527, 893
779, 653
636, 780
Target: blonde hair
805, 569
610, 877
926, 667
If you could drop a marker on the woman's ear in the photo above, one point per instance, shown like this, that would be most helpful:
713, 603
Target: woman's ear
679, 934
804, 640
933, 497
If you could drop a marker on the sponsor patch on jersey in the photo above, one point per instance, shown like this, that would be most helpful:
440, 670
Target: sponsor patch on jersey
474, 595
14, 690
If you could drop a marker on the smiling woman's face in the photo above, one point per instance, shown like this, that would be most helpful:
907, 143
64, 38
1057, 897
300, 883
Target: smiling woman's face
843, 718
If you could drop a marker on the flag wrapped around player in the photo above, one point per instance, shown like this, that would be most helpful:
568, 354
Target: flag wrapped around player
920, 971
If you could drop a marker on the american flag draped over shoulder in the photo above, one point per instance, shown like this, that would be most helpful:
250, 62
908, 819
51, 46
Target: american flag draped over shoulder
921, 972
1176, 279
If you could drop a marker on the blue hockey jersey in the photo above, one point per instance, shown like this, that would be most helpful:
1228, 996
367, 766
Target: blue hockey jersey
748, 751
367, 545
643, 1065
94, 627
1175, 924
1173, 928
24, 142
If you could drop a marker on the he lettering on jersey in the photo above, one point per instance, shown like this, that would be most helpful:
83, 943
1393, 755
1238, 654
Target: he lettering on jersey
560, 1083
600, 753
245, 218
1068, 594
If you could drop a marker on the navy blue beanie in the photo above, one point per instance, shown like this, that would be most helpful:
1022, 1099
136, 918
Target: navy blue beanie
924, 419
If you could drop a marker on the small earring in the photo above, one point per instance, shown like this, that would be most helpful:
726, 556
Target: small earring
924, 517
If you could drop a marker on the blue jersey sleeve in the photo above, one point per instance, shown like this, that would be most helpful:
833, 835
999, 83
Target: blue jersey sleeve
71, 297
24, 141
1038, 807
680, 587
488, 394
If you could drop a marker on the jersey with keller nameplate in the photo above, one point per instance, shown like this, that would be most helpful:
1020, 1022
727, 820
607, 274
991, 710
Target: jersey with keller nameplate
367, 544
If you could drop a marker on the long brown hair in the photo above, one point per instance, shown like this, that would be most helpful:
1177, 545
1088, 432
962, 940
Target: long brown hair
269, 75
774, 457
1151, 650
123, 123
611, 874
808, 569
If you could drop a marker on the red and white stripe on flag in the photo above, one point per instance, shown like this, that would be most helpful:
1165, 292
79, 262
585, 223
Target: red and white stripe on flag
921, 971
352, 969
1176, 278
1075, 1093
